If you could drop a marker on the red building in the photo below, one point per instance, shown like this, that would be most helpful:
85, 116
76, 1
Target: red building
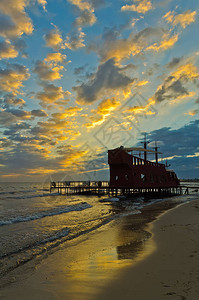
130, 171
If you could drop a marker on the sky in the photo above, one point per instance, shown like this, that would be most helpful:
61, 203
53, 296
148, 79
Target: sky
79, 77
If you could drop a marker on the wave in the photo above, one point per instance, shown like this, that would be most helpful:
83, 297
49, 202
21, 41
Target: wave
47, 213
58, 235
36, 196
19, 191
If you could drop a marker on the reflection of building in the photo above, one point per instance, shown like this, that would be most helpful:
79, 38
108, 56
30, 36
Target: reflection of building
130, 250
130, 171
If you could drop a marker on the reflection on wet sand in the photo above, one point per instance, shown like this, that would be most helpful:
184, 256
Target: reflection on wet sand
82, 267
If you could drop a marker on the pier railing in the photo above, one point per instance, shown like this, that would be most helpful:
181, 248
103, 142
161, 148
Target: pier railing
103, 187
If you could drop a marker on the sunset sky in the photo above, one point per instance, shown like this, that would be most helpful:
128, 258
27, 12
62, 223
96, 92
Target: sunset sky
80, 77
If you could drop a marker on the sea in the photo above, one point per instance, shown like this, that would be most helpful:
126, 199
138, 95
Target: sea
34, 221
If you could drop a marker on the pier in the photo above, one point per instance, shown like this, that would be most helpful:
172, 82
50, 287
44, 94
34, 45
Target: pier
104, 188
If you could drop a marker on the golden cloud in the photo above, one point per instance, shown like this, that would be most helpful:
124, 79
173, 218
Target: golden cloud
183, 19
142, 82
87, 17
142, 6
173, 86
47, 71
120, 49
70, 157
82, 5
42, 3
188, 71
52, 93
193, 112
11, 79
103, 110
16, 21
72, 111
54, 39
55, 57
7, 50
166, 43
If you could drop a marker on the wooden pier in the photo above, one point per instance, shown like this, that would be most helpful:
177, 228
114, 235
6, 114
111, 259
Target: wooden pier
104, 188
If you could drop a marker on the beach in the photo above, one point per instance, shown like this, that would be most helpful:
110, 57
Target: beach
172, 270
149, 255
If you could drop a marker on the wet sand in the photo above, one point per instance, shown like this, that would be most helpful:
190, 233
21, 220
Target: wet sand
129, 258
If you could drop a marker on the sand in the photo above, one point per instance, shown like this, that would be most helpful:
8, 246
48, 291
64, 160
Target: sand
172, 270
113, 264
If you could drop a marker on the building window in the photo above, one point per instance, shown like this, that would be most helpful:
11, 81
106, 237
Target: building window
126, 177
116, 177
143, 177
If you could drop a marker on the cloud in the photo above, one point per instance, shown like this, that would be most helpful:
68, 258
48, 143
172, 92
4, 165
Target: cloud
86, 18
51, 93
172, 87
46, 72
19, 113
39, 113
193, 112
14, 20
104, 109
15, 129
183, 143
75, 41
183, 19
112, 47
7, 118
55, 57
54, 39
142, 6
170, 90
11, 78
5, 143
43, 3
11, 100
107, 77
72, 111
165, 44
7, 50
174, 62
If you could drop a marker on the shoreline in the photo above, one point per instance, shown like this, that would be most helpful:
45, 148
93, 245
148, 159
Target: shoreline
90, 268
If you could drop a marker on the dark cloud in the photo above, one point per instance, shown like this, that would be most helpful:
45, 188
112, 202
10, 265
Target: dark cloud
22, 114
170, 90
107, 77
197, 100
45, 72
7, 118
39, 113
98, 3
15, 129
80, 70
111, 45
20, 44
6, 26
183, 143
11, 100
174, 62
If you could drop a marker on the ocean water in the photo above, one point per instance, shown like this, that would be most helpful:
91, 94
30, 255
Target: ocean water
34, 221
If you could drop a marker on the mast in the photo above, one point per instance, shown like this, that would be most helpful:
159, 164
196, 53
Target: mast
145, 147
156, 152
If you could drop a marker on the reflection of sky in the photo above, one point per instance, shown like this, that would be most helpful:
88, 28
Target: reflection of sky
71, 74
88, 264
